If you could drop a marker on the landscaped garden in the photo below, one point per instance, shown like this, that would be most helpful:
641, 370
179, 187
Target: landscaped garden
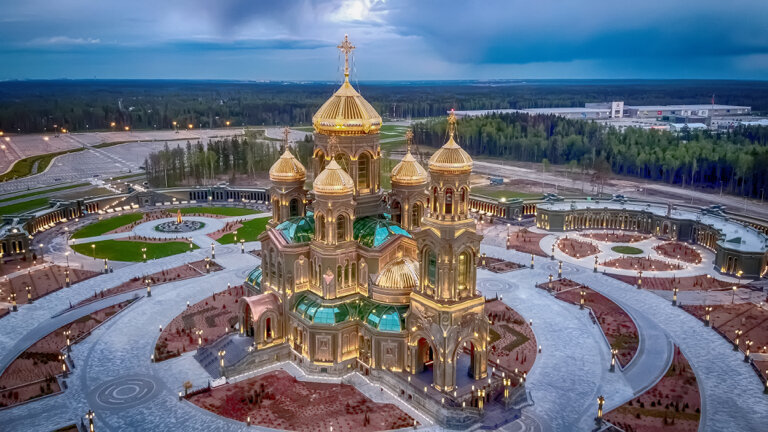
673, 404
644, 264
214, 315
249, 231
627, 250
41, 282
124, 250
526, 241
278, 400
513, 344
577, 248
33, 373
679, 251
106, 225
687, 283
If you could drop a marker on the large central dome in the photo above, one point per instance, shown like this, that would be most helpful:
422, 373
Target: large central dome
346, 112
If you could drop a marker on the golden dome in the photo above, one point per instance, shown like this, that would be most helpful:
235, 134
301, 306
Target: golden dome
409, 171
346, 112
333, 180
287, 168
400, 274
450, 159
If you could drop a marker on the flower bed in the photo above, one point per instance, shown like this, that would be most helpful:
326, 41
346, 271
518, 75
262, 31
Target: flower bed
674, 403
278, 400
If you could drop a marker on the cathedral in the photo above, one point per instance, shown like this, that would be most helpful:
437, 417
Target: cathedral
357, 278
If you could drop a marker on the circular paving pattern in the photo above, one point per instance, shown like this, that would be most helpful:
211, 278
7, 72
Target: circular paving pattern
183, 227
124, 392
495, 285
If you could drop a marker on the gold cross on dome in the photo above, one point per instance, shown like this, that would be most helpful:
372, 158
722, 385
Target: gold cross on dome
408, 139
346, 47
452, 123
286, 134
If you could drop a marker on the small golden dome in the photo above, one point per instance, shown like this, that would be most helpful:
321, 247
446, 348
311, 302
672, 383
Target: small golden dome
409, 171
333, 180
400, 274
451, 159
346, 113
287, 168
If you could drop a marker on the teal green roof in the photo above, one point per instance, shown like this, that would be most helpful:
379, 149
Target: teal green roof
254, 277
379, 316
372, 231
298, 229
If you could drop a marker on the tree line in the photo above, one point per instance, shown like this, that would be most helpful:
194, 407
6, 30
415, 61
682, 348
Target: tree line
216, 160
82, 105
736, 161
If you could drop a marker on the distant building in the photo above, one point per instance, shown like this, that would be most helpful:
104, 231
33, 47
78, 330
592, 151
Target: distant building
703, 110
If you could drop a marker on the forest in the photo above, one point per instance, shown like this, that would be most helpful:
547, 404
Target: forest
736, 161
83, 105
217, 159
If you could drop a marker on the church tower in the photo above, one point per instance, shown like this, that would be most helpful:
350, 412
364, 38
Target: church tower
355, 124
408, 199
288, 194
447, 316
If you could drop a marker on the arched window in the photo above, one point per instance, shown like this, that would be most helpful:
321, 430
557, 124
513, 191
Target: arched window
449, 201
341, 228
464, 269
463, 207
430, 267
363, 171
397, 212
293, 207
320, 228
434, 200
416, 215
353, 276
339, 276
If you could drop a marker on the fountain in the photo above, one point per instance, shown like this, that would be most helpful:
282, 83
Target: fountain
179, 226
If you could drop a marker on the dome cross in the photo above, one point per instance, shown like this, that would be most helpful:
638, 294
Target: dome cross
346, 47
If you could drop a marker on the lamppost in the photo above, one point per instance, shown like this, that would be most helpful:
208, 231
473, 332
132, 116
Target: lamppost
69, 342
748, 343
674, 295
242, 246
66, 255
581, 300
549, 285
199, 334
639, 279
235, 234
106, 266
614, 351
595, 269
552, 255
89, 415
733, 295
144, 254
63, 358
14, 307
41, 251
213, 251
559, 269
765, 390
148, 281
221, 360
738, 333
707, 311
600, 402
207, 265
93, 250
29, 294
531, 261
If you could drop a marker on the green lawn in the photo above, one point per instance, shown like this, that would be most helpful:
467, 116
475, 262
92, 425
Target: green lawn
249, 231
118, 250
23, 167
107, 225
496, 192
627, 250
224, 211
24, 206
44, 191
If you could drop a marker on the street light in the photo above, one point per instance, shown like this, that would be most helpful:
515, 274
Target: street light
63, 358
707, 311
560, 270
66, 335
14, 307
748, 343
581, 301
600, 402
674, 296
738, 333
148, 281
595, 269
144, 254
213, 251
93, 250
29, 294
733, 295
614, 351
531, 261
89, 415
242, 246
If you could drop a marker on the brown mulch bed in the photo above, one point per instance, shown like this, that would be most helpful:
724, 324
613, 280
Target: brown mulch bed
688, 283
526, 241
577, 248
644, 264
673, 404
33, 373
498, 265
214, 315
42, 281
278, 400
678, 251
513, 344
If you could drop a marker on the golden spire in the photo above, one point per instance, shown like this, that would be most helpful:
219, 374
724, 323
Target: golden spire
346, 47
451, 123
286, 134
408, 140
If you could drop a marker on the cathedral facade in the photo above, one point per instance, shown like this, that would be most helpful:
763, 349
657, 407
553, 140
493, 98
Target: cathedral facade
354, 277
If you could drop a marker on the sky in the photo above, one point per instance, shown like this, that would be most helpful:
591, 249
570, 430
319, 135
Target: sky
395, 39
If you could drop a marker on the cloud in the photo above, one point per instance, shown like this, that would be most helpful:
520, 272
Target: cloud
62, 41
